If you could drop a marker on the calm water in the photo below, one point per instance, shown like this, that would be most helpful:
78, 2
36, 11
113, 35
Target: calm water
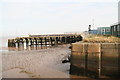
4, 46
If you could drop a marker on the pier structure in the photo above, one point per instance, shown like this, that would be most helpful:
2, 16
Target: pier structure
50, 40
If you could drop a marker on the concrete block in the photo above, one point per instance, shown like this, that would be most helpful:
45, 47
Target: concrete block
94, 47
77, 58
110, 45
110, 52
77, 47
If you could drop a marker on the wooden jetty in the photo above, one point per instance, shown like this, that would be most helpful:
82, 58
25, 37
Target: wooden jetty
53, 39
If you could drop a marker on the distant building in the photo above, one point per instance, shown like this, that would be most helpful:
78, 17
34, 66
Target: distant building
93, 31
99, 31
90, 32
115, 29
103, 31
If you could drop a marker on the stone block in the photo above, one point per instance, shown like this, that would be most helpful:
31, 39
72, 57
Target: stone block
77, 47
94, 47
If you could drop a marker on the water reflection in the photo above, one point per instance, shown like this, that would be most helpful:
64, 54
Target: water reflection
24, 46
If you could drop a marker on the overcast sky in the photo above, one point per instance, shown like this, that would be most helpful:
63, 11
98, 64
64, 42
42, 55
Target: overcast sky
23, 17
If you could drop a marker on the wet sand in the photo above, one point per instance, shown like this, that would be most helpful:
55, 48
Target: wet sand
43, 63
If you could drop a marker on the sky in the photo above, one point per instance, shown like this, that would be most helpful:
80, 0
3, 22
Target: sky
23, 17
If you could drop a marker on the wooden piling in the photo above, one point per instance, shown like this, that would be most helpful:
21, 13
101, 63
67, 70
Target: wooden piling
44, 40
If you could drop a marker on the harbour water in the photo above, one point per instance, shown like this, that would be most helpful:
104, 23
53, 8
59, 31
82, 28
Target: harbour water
4, 46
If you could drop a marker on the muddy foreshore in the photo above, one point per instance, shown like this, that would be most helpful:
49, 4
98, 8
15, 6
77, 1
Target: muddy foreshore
43, 63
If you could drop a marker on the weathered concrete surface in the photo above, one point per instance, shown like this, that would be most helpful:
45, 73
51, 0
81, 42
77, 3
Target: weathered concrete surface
77, 47
97, 59
82, 47
93, 47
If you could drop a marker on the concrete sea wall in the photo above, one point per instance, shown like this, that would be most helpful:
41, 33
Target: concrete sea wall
97, 60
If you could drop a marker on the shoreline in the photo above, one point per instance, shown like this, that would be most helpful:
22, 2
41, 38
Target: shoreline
36, 63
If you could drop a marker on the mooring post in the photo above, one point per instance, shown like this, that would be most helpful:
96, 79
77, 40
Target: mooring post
18, 42
51, 41
56, 40
68, 39
21, 40
63, 39
38, 41
60, 40
35, 40
30, 41
48, 40
8, 42
27, 41
71, 39
14, 43
79, 38
45, 40
41, 42
74, 39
